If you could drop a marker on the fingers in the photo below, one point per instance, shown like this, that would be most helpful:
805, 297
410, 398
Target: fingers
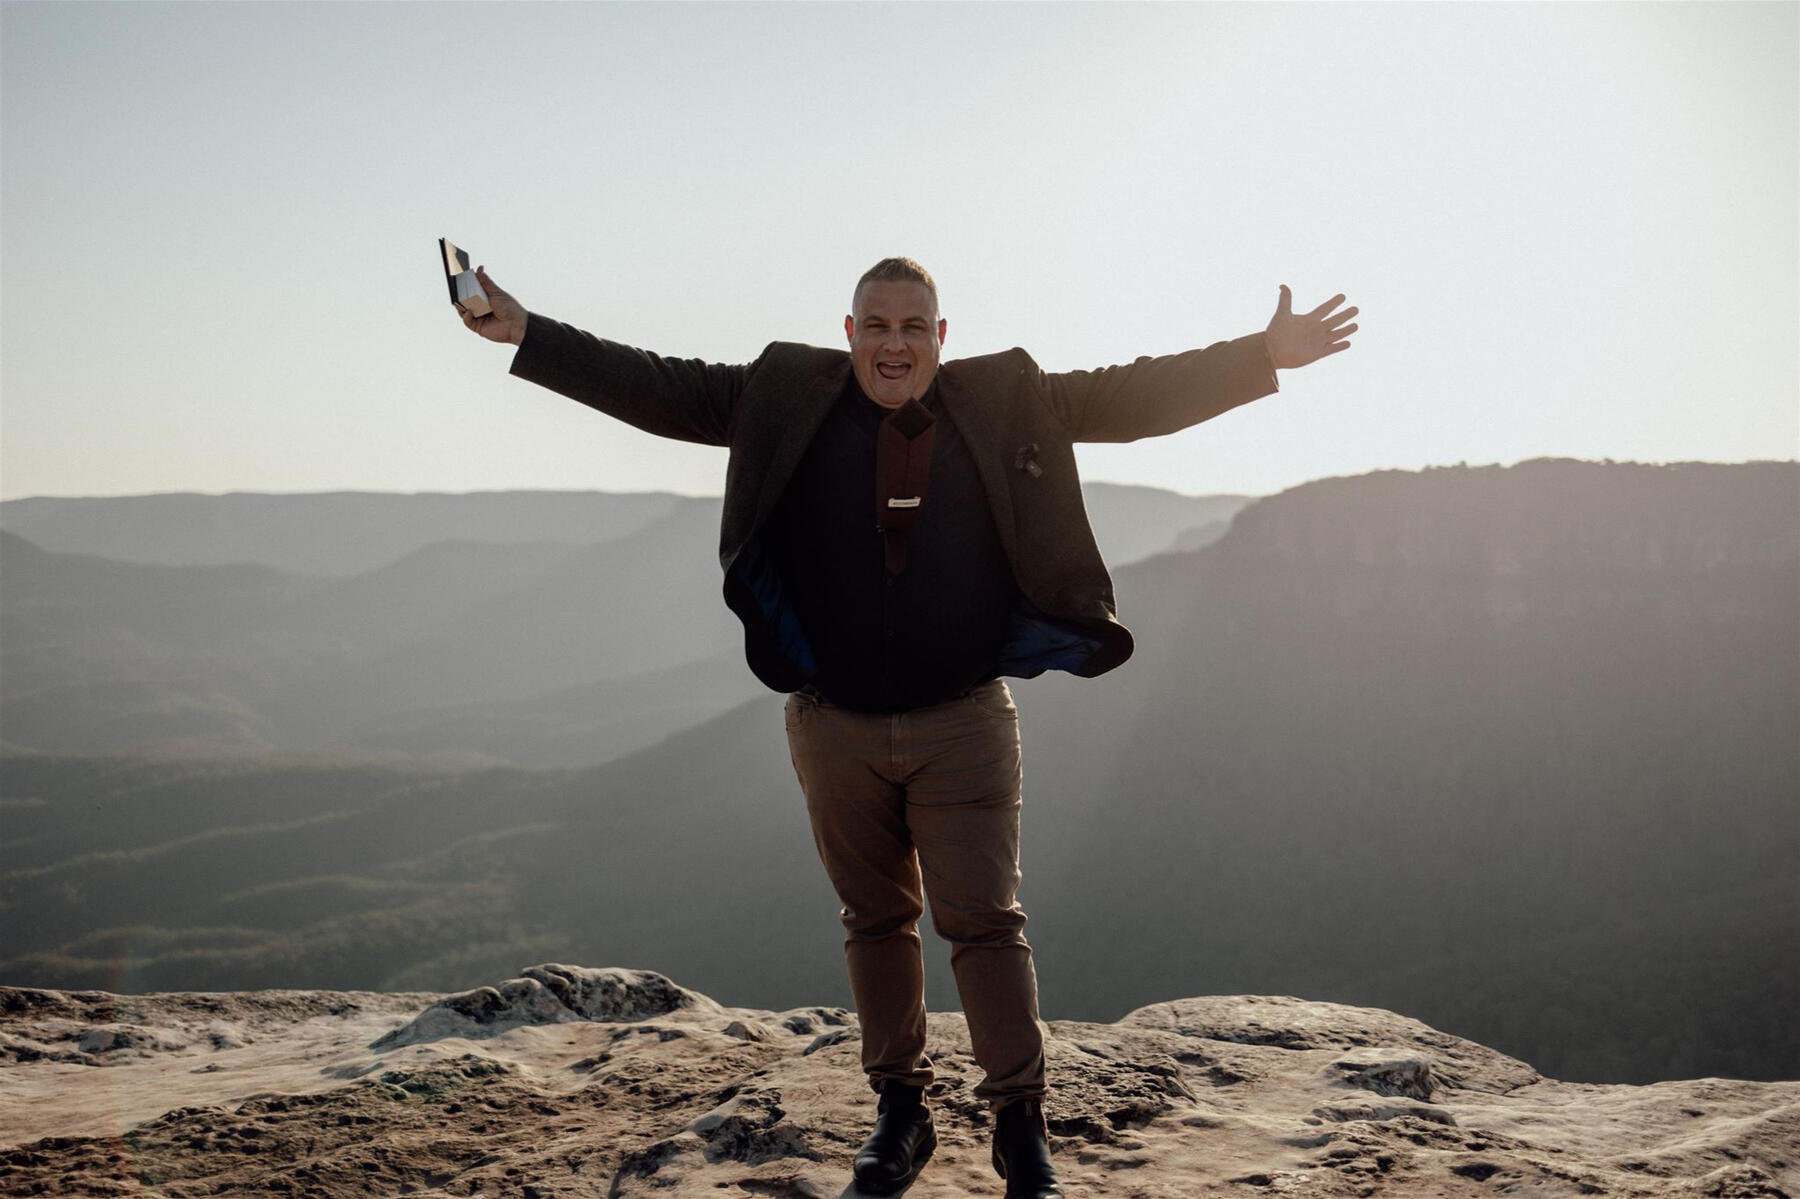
1334, 326
1331, 341
1285, 305
504, 304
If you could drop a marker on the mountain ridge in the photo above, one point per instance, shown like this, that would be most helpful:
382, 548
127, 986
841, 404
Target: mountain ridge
338, 534
1543, 798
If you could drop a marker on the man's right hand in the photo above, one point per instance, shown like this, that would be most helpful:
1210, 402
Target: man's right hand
507, 320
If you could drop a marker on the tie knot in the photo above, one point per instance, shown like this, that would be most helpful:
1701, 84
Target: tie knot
911, 419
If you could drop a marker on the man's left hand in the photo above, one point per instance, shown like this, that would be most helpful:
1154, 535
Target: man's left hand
1297, 340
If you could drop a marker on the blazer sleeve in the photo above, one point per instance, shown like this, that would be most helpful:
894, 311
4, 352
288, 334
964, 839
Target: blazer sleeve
1154, 396
682, 398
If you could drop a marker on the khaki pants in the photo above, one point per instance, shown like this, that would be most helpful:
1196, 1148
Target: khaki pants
926, 804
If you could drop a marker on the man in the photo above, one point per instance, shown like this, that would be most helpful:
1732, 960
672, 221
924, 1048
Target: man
898, 535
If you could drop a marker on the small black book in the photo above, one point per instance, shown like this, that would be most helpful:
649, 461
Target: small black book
465, 289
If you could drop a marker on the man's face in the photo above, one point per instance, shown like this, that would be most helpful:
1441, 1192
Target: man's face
894, 333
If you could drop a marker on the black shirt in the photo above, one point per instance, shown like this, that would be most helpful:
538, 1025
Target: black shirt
886, 644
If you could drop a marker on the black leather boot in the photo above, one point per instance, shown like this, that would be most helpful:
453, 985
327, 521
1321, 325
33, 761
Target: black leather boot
901, 1143
1022, 1151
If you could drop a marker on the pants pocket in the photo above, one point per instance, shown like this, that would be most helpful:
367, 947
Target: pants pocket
798, 710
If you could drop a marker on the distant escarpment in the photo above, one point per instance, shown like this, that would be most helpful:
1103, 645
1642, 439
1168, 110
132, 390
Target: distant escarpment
1546, 513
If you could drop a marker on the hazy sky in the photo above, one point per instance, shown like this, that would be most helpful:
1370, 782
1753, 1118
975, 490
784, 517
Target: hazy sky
1571, 228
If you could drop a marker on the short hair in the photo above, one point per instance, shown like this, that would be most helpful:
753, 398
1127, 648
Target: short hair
898, 270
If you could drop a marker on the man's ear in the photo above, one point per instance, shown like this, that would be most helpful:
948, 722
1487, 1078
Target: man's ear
849, 328
943, 328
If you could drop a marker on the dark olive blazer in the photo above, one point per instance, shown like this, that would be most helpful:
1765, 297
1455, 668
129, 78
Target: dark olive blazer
1020, 423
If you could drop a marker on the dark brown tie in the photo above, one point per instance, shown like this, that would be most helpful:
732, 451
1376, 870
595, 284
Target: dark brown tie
902, 472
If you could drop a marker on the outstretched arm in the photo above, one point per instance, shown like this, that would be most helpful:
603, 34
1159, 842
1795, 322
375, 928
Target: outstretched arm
1297, 340
685, 399
1154, 396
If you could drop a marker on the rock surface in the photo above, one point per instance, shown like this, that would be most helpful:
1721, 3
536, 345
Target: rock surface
572, 1082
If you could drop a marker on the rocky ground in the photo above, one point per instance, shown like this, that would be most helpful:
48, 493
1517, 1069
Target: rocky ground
572, 1082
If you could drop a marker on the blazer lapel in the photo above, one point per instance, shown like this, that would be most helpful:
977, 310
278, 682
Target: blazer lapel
982, 427
788, 429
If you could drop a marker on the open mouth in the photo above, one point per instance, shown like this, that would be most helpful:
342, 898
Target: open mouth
892, 370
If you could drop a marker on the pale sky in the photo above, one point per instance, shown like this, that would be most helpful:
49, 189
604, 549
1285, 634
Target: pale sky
1571, 228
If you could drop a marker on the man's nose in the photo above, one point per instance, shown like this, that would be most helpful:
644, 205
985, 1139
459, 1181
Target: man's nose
893, 339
